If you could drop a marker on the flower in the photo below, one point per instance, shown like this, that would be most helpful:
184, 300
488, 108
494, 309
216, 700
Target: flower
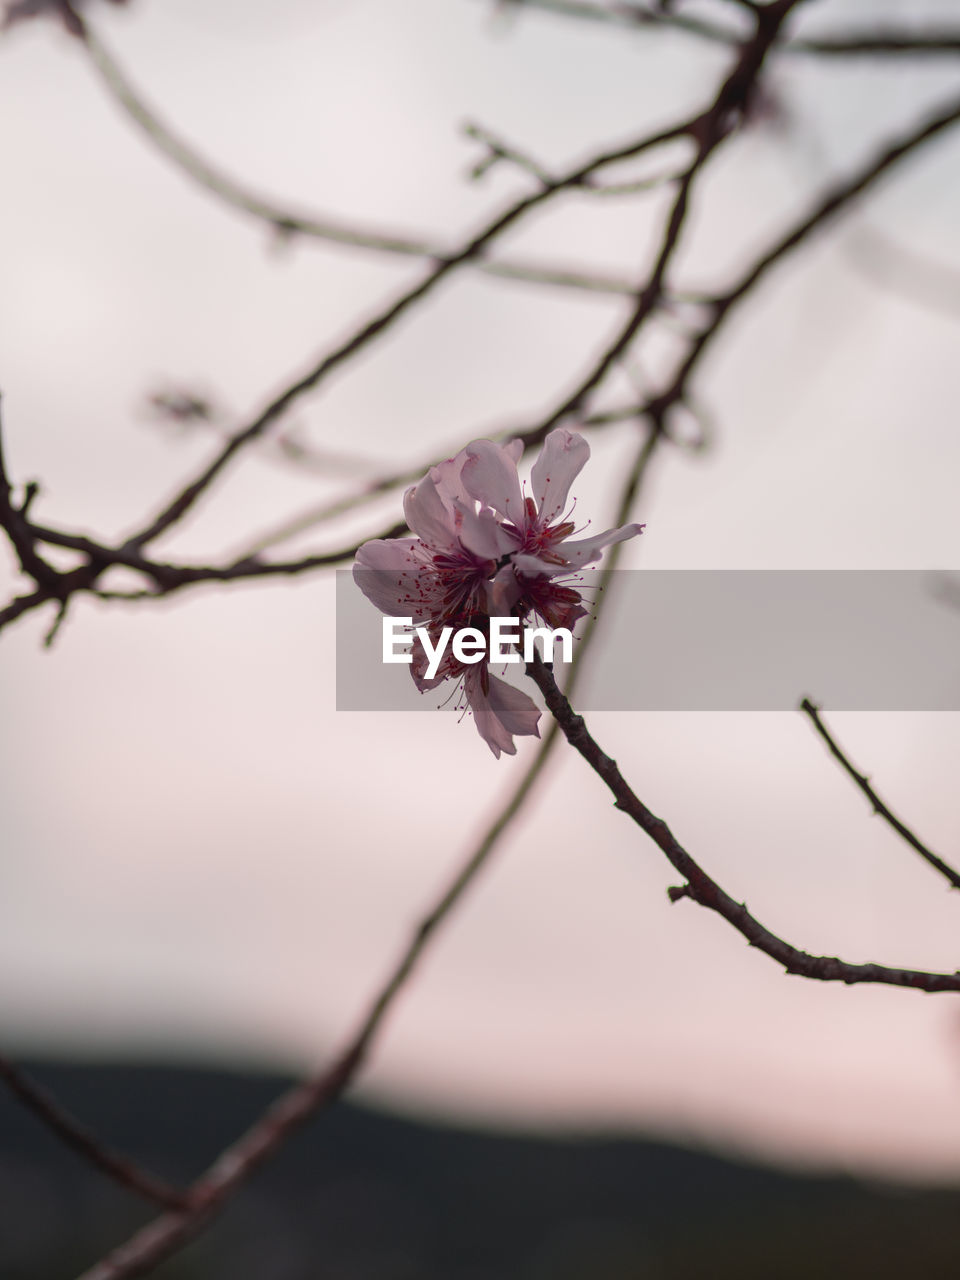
537, 526
481, 549
443, 577
444, 571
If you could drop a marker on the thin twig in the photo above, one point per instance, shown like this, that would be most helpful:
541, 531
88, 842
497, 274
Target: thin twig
120, 1169
699, 886
315, 226
709, 130
386, 318
863, 782
835, 201
879, 42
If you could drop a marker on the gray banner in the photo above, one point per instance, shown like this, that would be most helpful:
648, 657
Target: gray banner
880, 640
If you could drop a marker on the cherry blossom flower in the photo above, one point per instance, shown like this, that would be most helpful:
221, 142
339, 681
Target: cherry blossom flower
537, 526
540, 532
446, 569
443, 577
481, 549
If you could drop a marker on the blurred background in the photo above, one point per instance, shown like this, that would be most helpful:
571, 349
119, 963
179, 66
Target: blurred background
207, 867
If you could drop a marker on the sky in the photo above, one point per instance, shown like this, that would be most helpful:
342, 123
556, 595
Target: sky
202, 858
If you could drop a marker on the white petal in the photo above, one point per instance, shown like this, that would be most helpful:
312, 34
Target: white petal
483, 534
500, 712
428, 517
561, 460
391, 576
577, 554
490, 476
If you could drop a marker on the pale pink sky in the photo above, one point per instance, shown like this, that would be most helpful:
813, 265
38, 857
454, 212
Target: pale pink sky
201, 857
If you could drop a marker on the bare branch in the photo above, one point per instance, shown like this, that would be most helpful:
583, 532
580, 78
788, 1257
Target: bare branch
385, 318
863, 782
125, 1172
709, 130
13, 521
913, 276
880, 42
315, 226
837, 199
700, 887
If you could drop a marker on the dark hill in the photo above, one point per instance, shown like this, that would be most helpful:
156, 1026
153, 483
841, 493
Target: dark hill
367, 1196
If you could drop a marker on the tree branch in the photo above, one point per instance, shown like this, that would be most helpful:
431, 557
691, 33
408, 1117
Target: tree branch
699, 886
388, 316
125, 1172
881, 42
836, 200
863, 782
286, 221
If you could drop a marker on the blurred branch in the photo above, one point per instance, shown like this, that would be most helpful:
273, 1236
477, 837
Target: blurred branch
378, 486
85, 1143
863, 782
312, 226
386, 318
878, 42
912, 275
836, 200
700, 887
708, 130
299, 1104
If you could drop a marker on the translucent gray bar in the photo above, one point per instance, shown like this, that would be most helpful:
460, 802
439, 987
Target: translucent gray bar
871, 640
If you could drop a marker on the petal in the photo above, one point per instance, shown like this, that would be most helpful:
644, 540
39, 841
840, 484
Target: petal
418, 667
515, 710
392, 576
482, 533
499, 712
428, 517
577, 554
388, 553
561, 460
490, 476
448, 478
504, 593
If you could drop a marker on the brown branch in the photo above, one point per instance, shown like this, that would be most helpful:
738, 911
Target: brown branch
384, 319
709, 130
879, 42
120, 1169
13, 521
700, 887
836, 200
286, 221
863, 782
913, 276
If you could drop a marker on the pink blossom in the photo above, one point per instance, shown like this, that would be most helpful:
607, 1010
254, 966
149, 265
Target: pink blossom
446, 569
480, 548
443, 577
542, 549
537, 526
